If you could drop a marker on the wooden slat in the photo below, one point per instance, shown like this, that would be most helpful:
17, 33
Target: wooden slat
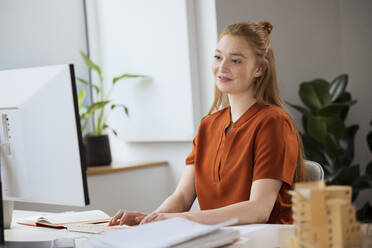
99, 170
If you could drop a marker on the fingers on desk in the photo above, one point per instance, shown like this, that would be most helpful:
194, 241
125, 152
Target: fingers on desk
149, 218
140, 218
123, 218
116, 218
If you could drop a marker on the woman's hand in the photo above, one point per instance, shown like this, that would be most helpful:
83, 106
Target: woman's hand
124, 217
161, 216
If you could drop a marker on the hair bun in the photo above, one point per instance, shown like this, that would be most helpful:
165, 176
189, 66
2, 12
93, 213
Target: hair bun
266, 26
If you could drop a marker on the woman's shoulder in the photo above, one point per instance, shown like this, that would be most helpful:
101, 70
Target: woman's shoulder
215, 116
271, 113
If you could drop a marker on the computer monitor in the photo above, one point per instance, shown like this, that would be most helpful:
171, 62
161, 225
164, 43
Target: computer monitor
42, 157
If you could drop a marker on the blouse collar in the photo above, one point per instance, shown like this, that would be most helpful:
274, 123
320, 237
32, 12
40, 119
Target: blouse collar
251, 111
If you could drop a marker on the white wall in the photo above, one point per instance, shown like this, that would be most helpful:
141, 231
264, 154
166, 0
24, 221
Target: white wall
42, 32
314, 39
164, 51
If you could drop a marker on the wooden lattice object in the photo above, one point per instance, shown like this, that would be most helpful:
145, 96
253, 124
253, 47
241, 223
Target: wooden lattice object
324, 217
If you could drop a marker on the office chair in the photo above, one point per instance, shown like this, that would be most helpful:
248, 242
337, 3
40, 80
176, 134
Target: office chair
314, 171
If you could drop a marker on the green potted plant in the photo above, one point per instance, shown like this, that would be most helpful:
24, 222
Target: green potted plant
326, 138
365, 213
96, 141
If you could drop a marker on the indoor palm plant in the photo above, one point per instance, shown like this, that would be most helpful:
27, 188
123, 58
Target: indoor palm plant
326, 138
97, 147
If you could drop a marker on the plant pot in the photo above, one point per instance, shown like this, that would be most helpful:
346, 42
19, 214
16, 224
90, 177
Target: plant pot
97, 150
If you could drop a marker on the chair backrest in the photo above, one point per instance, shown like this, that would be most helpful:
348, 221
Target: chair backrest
314, 171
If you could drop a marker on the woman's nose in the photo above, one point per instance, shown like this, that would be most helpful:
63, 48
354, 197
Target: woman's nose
224, 66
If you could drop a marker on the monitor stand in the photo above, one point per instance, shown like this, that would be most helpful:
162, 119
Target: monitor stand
28, 244
8, 207
6, 210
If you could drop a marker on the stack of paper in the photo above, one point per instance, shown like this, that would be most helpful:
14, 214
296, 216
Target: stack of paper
175, 232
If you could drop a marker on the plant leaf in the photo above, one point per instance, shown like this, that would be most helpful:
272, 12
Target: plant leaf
369, 170
347, 145
312, 149
361, 183
84, 124
315, 94
345, 98
330, 162
126, 110
317, 129
92, 65
105, 126
327, 131
304, 122
369, 141
335, 109
333, 178
299, 108
319, 126
335, 126
89, 84
114, 131
364, 214
94, 107
126, 75
348, 175
81, 97
331, 146
338, 86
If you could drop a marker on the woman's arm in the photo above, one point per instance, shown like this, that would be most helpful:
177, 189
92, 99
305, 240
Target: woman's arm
256, 210
184, 195
180, 201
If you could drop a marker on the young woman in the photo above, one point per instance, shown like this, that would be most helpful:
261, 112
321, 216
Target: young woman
247, 153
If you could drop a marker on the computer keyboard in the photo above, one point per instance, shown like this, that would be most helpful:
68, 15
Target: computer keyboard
93, 228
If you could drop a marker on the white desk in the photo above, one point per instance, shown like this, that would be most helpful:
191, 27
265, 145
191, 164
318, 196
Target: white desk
253, 236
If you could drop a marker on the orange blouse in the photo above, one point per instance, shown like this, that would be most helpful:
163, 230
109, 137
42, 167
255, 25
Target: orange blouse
262, 143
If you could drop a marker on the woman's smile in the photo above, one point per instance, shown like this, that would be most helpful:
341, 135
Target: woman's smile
223, 79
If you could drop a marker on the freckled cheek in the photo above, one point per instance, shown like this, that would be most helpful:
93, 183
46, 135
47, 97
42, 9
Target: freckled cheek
241, 73
214, 69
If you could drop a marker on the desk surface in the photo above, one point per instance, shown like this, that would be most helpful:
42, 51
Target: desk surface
253, 236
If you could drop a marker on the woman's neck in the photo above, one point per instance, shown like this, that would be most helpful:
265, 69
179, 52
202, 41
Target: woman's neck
239, 104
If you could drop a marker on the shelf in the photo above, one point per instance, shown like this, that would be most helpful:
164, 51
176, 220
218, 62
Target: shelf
119, 167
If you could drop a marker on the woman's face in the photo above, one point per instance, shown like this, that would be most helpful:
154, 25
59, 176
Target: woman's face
234, 67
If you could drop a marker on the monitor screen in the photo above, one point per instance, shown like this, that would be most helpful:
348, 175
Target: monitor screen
42, 157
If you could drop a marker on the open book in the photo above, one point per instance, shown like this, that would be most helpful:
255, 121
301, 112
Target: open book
60, 220
175, 232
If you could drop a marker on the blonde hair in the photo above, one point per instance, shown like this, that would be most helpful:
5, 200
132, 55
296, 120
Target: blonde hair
266, 90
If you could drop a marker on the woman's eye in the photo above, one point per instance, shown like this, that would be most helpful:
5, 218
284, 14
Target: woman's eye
236, 61
217, 57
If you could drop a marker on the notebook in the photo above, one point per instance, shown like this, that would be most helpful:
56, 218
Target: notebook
175, 232
60, 220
